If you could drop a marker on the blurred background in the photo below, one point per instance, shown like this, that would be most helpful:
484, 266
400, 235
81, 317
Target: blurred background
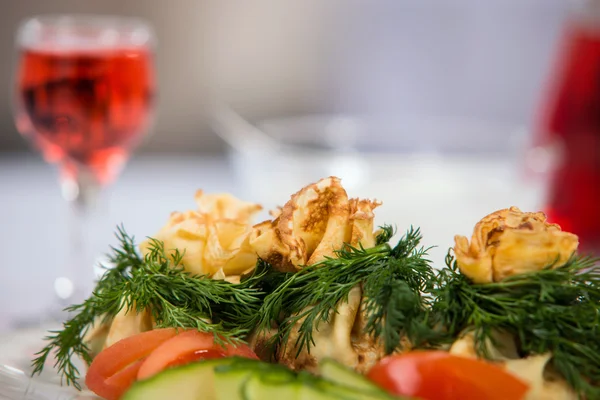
430, 106
271, 58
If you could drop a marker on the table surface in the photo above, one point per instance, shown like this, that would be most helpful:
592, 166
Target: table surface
443, 200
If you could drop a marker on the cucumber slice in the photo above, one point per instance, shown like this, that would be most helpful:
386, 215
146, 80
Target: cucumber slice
337, 373
313, 388
229, 385
276, 384
246, 379
189, 382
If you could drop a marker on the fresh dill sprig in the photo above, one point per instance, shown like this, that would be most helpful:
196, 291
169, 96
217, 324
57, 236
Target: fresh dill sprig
385, 235
396, 296
310, 296
68, 342
555, 310
265, 278
176, 298
157, 283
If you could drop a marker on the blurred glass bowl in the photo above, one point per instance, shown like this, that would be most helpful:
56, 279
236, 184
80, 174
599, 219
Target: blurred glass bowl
441, 174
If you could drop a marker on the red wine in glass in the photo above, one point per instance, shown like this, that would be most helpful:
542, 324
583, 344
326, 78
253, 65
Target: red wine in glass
84, 91
570, 125
85, 108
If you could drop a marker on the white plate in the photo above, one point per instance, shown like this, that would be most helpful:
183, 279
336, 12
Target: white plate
17, 349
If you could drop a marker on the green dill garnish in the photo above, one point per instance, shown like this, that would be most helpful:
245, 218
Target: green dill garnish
385, 235
555, 310
392, 278
179, 299
396, 296
68, 342
158, 283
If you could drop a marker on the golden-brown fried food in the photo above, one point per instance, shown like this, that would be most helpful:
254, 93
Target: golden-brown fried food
212, 238
312, 225
318, 220
224, 206
128, 323
361, 219
339, 338
510, 242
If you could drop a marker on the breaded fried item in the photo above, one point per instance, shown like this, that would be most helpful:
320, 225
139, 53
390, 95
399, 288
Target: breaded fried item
510, 242
317, 220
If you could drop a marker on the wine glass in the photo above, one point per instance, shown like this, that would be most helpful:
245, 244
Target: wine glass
84, 90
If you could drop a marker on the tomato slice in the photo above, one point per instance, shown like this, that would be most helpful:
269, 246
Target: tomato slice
117, 384
438, 375
187, 347
116, 367
196, 356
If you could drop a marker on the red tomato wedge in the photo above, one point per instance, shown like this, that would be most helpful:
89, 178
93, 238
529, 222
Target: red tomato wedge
187, 347
438, 375
116, 367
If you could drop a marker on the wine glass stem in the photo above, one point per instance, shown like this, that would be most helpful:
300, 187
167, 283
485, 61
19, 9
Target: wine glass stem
75, 283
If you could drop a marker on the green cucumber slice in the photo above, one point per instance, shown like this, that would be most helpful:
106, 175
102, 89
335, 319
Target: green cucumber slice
335, 372
188, 382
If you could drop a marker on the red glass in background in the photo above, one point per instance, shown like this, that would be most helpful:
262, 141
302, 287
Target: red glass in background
85, 109
570, 126
84, 88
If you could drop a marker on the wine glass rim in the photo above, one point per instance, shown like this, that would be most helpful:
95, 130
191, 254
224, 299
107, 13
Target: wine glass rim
104, 29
